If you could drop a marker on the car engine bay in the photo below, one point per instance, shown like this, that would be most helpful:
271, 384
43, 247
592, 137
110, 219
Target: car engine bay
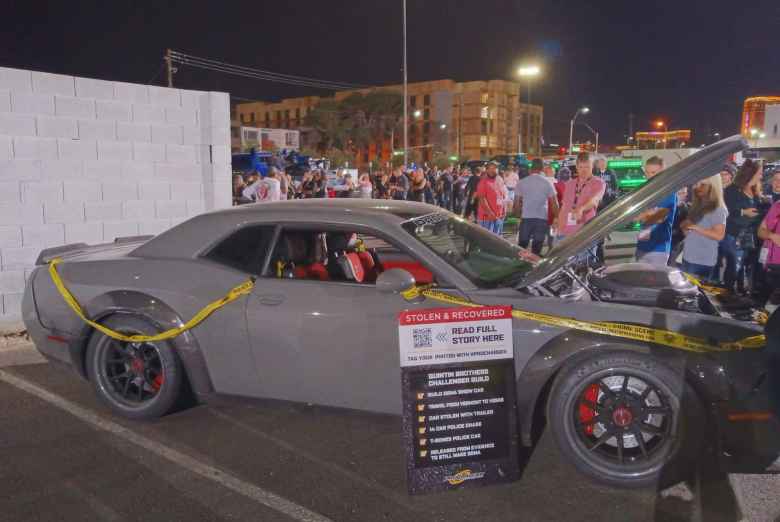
647, 285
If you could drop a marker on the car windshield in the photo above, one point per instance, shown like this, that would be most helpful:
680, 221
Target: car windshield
485, 259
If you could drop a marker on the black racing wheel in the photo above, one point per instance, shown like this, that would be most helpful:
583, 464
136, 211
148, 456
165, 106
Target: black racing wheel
626, 419
140, 380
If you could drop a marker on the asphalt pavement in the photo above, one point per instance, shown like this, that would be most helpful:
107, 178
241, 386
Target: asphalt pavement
65, 457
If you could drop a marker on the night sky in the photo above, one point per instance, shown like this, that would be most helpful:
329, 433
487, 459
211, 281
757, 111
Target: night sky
691, 63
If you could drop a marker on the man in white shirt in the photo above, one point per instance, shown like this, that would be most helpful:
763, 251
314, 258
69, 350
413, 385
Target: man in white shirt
269, 188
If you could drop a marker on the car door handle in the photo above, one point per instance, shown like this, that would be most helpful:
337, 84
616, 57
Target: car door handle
270, 299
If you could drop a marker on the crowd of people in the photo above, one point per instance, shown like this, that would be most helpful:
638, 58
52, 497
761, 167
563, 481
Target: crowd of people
723, 229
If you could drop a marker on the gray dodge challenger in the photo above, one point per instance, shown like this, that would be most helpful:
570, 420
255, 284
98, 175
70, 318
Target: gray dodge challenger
320, 324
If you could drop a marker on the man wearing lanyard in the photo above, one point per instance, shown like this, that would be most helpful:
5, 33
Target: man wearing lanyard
581, 198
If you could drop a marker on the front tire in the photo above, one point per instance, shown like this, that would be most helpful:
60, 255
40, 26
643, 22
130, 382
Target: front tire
140, 381
625, 419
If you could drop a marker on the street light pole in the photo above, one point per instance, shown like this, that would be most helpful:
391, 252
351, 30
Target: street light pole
660, 124
596, 134
406, 96
529, 72
581, 110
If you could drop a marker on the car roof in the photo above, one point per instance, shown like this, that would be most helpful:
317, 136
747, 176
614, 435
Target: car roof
192, 236
403, 210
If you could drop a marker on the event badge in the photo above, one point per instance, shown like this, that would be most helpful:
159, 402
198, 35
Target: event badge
762, 255
570, 219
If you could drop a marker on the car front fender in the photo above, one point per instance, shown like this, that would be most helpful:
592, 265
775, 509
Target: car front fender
706, 374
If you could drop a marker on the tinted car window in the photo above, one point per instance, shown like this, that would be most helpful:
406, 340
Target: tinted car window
245, 249
485, 259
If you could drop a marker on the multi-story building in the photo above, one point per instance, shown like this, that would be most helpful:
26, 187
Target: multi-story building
672, 139
471, 120
754, 113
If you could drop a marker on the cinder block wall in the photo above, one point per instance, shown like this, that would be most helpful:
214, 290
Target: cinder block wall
91, 160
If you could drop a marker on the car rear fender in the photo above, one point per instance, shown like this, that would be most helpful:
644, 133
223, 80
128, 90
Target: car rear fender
157, 313
704, 374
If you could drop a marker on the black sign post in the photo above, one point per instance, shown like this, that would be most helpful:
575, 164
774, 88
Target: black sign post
459, 415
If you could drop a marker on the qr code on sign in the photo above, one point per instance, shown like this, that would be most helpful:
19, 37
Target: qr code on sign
422, 338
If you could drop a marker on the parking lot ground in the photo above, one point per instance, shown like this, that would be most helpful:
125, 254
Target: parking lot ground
65, 457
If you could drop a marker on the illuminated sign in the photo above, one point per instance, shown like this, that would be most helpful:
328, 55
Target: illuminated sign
631, 182
625, 164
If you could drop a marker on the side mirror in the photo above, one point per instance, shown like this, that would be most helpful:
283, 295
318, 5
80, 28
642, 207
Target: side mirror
394, 281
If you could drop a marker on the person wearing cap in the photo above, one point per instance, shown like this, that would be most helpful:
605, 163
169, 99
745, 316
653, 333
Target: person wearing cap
655, 238
488, 199
534, 195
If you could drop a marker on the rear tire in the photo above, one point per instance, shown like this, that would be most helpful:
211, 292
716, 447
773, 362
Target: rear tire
138, 381
626, 419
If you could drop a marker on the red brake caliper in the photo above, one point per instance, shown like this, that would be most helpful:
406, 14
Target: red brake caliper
586, 412
157, 382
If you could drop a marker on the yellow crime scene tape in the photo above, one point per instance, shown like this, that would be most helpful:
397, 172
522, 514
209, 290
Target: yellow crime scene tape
624, 331
242, 289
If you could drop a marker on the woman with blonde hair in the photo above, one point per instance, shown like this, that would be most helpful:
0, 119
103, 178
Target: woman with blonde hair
704, 227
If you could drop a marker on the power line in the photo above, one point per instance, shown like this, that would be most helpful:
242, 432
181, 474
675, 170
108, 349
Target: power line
255, 70
236, 72
258, 74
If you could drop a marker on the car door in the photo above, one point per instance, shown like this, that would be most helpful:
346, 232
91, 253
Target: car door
328, 342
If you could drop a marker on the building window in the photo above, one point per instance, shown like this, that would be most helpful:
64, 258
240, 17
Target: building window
491, 126
426, 114
297, 114
278, 116
482, 153
484, 112
484, 97
252, 117
427, 127
484, 127
241, 117
483, 141
427, 100
413, 101
267, 118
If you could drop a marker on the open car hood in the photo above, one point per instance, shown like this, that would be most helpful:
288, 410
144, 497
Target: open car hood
706, 162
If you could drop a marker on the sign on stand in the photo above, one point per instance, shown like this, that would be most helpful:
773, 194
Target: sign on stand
458, 385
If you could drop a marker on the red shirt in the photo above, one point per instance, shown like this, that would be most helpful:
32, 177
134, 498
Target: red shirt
489, 194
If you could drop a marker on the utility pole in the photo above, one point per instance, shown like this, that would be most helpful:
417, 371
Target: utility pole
406, 96
630, 126
169, 67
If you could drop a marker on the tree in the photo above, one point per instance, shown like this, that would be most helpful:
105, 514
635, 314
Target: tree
356, 121
332, 127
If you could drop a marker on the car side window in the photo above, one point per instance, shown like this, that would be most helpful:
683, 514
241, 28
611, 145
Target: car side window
245, 249
334, 256
387, 256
